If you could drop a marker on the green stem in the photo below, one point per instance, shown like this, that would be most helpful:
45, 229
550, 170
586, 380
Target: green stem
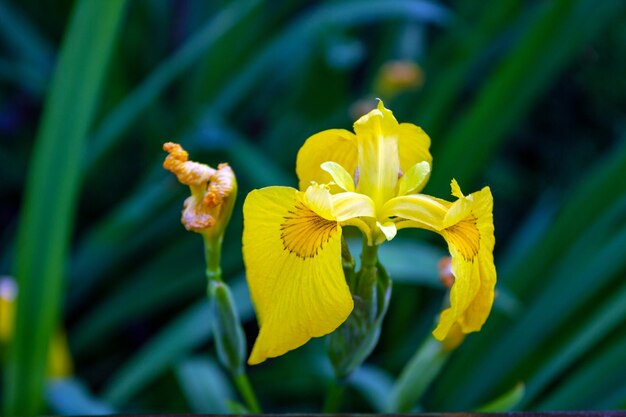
333, 397
369, 256
247, 393
212, 255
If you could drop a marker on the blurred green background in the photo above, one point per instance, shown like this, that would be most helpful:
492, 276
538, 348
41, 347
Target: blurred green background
528, 97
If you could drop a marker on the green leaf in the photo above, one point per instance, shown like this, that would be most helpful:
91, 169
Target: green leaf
455, 56
373, 384
590, 264
507, 402
595, 379
207, 388
51, 194
177, 339
182, 60
25, 40
606, 320
187, 332
70, 397
547, 46
587, 201
296, 40
417, 376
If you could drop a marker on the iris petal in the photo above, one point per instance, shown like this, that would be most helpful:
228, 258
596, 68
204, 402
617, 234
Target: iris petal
378, 159
467, 227
337, 145
293, 263
350, 205
414, 179
341, 177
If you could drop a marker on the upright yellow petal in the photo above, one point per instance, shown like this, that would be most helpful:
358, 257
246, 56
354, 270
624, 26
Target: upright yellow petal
413, 146
293, 263
336, 145
378, 159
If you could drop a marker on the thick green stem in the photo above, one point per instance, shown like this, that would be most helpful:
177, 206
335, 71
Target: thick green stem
369, 256
247, 393
333, 397
212, 255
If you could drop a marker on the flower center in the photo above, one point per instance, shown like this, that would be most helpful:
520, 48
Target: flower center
303, 232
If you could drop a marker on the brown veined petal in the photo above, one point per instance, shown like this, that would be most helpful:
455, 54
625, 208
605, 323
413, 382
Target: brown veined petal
336, 145
293, 268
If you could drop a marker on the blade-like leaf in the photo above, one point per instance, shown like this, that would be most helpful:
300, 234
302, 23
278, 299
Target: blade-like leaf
417, 376
51, 194
185, 333
70, 397
207, 388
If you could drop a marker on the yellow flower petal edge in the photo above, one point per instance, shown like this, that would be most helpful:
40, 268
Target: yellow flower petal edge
293, 263
471, 241
336, 145
467, 227
378, 132
378, 158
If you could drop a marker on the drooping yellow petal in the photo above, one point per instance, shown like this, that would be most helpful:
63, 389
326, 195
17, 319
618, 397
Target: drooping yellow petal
454, 338
378, 159
337, 145
293, 264
471, 242
467, 227
421, 210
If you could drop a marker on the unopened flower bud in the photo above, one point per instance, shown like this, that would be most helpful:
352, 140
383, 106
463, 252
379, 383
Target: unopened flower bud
229, 337
213, 192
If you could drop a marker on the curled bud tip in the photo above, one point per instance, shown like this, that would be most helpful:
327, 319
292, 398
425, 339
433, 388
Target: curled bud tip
187, 172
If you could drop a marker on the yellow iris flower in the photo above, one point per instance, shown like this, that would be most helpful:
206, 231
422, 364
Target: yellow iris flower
370, 179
